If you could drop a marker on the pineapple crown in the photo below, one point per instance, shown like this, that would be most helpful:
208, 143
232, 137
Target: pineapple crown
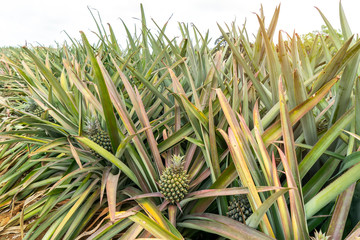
319, 236
92, 125
177, 161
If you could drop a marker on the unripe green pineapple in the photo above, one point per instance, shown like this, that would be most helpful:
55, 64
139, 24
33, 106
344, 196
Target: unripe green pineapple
33, 108
99, 136
37, 110
239, 209
174, 181
322, 125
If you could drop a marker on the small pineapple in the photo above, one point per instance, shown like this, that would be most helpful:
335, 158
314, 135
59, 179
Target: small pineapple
38, 111
239, 209
174, 181
33, 108
97, 135
319, 236
322, 125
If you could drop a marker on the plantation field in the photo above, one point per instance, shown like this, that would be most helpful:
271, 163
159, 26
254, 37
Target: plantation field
242, 137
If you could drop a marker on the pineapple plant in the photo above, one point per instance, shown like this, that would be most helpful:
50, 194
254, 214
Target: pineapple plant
212, 104
174, 181
239, 209
98, 135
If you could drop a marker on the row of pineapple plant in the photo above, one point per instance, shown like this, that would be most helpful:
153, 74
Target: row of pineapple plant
173, 138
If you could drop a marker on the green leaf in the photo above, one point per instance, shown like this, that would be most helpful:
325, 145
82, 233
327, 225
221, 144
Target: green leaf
148, 205
346, 31
176, 137
111, 190
325, 141
110, 157
340, 214
73, 209
332, 68
61, 94
222, 226
79, 219
291, 164
349, 161
274, 131
255, 218
329, 193
153, 227
334, 37
206, 193
345, 88
104, 95
272, 62
224, 180
235, 141
140, 110
257, 84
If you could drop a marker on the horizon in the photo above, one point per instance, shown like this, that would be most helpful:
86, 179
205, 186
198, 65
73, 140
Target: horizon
40, 27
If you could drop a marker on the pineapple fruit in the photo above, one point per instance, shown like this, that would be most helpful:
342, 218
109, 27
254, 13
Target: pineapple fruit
239, 209
33, 108
174, 181
98, 135
322, 125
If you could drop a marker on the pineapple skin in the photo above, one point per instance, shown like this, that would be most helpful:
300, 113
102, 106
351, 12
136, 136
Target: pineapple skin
38, 111
239, 209
99, 136
174, 181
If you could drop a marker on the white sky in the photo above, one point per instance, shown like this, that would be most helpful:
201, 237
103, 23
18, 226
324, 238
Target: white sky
43, 21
